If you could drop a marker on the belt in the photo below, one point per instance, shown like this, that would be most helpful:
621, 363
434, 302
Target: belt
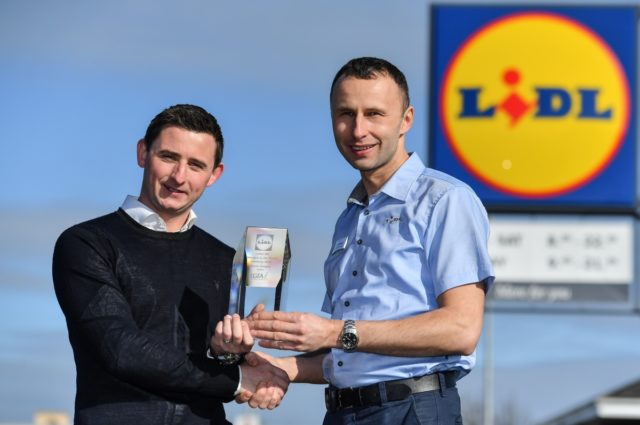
337, 399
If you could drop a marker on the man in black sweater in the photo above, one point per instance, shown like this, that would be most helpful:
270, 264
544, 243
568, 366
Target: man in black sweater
142, 289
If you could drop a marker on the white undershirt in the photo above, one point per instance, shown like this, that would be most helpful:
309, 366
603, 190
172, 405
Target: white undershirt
150, 219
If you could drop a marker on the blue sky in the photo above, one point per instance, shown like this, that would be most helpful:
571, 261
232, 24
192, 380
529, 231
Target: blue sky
79, 83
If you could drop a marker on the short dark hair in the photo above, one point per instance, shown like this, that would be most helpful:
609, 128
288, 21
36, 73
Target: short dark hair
189, 117
367, 68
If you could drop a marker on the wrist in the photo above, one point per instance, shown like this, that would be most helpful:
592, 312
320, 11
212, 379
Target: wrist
290, 366
334, 340
349, 338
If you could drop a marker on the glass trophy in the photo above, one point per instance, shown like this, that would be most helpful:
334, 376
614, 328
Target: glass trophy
259, 270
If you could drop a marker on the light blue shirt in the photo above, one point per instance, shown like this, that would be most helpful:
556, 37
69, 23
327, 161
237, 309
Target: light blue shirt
393, 254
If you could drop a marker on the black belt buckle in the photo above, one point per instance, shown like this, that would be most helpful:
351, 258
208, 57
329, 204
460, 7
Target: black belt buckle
336, 399
331, 399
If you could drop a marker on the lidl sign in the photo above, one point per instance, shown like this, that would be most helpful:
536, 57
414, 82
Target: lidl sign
535, 106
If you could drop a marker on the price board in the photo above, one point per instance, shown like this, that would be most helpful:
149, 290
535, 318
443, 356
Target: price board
563, 259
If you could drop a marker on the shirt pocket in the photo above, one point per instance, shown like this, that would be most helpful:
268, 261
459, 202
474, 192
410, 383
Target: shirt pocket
333, 264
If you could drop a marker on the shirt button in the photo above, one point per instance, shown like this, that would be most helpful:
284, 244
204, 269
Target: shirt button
340, 363
359, 241
355, 273
366, 212
347, 303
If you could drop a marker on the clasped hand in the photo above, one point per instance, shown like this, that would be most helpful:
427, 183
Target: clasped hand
263, 385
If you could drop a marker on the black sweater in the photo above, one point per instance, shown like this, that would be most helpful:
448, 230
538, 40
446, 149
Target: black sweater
140, 308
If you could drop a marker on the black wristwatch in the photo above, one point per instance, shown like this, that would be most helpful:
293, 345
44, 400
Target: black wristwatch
349, 336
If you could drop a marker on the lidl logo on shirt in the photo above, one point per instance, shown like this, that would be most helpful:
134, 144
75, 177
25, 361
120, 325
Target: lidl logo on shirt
392, 219
535, 104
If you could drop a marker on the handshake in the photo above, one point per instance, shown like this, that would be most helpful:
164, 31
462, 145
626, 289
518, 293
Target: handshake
264, 378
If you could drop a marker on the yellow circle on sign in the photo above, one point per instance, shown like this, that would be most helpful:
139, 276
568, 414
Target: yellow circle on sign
535, 104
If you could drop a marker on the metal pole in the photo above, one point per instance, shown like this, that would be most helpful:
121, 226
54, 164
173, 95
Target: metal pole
488, 368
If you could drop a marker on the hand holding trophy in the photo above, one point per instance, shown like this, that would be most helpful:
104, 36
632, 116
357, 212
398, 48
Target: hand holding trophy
258, 274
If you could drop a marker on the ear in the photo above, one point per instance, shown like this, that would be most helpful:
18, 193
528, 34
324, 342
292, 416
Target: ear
407, 121
215, 174
141, 153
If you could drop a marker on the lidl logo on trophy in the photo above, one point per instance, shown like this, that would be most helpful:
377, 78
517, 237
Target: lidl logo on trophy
535, 104
264, 242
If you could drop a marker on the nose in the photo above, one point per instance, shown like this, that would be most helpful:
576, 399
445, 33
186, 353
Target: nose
359, 127
179, 172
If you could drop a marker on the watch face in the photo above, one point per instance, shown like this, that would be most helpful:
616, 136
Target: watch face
349, 341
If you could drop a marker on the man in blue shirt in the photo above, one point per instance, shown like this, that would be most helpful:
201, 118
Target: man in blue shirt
406, 274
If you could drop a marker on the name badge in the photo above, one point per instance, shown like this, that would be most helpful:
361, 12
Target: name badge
340, 244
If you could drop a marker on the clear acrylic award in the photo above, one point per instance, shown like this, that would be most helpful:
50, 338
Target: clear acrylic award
259, 270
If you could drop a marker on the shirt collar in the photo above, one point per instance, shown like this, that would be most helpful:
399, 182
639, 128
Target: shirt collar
397, 186
358, 195
148, 218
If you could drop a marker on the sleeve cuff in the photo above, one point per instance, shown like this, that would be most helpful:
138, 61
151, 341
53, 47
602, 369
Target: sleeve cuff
239, 389
210, 354
226, 373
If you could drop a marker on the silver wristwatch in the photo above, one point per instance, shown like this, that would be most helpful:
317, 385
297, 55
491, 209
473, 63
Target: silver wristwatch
229, 358
225, 358
349, 336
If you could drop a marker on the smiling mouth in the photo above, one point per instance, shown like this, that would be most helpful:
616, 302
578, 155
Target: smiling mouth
361, 148
171, 189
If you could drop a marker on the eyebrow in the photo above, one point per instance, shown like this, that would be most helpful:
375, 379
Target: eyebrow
168, 152
173, 154
198, 163
373, 108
